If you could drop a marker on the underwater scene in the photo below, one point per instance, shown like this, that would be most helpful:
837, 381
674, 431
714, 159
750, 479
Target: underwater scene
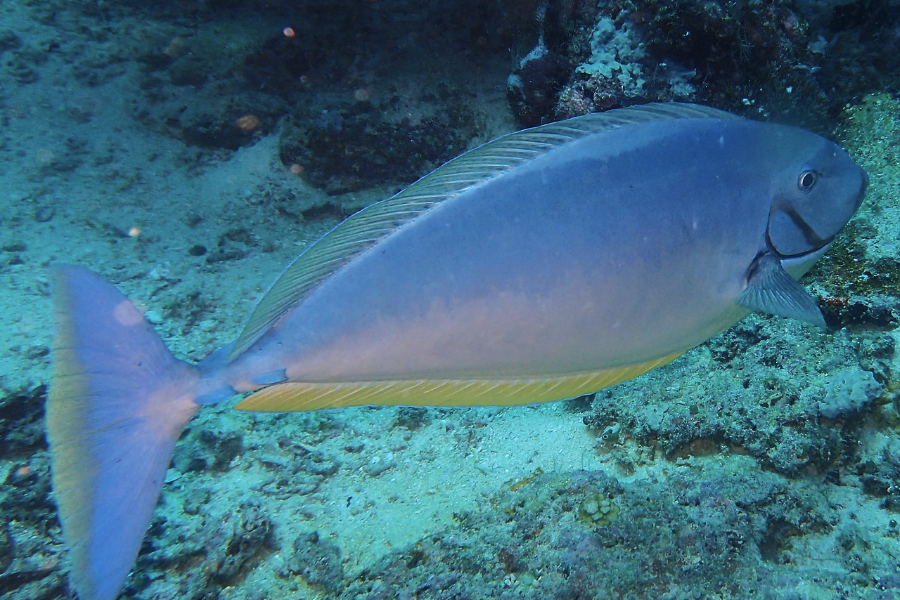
574, 364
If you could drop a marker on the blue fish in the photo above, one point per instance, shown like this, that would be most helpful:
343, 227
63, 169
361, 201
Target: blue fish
549, 263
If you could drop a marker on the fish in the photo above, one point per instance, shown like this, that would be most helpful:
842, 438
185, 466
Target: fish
546, 264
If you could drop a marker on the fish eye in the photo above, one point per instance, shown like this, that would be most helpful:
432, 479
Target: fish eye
807, 180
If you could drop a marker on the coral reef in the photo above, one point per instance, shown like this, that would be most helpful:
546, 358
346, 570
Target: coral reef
799, 62
718, 527
317, 560
762, 396
347, 129
225, 546
349, 147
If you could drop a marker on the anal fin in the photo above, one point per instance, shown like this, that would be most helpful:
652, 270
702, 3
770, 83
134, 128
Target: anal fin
296, 396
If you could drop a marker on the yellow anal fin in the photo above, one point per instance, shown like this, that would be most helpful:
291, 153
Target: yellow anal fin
286, 397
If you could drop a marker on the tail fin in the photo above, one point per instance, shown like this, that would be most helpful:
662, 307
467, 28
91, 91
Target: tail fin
117, 404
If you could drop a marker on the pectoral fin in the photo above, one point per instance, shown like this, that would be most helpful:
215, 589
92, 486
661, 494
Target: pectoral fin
771, 290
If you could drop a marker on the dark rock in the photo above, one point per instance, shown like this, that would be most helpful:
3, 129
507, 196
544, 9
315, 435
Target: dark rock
317, 560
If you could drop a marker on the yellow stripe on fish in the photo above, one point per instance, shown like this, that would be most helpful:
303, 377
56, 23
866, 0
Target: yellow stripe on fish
287, 397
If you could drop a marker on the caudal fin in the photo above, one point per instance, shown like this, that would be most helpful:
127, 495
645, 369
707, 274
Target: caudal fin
117, 404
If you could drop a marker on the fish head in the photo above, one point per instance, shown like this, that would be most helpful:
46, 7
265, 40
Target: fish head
817, 191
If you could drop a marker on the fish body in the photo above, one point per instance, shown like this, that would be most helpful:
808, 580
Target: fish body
552, 263
546, 264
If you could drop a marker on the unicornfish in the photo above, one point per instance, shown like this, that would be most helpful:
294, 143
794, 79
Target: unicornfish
546, 264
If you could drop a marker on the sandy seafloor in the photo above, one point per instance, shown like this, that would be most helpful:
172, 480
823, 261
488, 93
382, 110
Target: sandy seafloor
468, 503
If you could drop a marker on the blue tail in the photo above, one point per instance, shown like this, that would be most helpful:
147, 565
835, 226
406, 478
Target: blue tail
117, 404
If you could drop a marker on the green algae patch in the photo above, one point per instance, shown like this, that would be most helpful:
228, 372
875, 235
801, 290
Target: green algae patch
865, 259
598, 509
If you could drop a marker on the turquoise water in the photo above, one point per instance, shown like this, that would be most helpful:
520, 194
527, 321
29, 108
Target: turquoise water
188, 152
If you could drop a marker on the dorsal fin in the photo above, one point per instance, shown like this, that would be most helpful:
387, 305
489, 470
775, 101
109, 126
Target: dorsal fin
374, 223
